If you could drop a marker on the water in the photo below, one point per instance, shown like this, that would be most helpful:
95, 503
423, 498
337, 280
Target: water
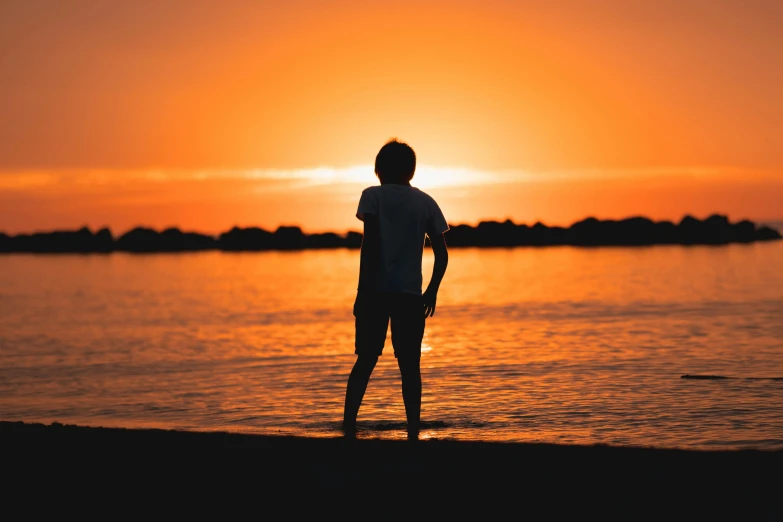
561, 344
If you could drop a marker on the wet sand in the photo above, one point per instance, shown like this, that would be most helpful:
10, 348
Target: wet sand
182, 470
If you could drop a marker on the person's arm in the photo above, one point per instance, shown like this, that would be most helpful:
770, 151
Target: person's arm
430, 297
370, 253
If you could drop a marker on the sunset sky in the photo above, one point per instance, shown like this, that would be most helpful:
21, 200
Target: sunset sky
206, 115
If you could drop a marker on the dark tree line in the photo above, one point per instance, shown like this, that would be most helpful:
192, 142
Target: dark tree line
634, 231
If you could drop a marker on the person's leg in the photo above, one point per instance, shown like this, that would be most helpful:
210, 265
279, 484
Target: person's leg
372, 322
407, 326
410, 371
354, 392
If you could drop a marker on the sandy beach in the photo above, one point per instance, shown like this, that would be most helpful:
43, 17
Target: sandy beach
442, 476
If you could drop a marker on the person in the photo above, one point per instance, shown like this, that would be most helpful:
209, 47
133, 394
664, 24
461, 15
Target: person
396, 218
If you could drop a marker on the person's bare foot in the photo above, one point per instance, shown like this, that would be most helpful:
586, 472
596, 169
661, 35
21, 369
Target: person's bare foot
349, 430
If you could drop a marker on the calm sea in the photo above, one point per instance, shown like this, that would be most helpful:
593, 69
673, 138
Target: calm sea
560, 344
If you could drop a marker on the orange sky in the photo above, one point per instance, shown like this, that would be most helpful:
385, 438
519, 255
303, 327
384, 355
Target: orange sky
208, 114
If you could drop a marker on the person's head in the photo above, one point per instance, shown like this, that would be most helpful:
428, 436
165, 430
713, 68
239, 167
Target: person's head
395, 163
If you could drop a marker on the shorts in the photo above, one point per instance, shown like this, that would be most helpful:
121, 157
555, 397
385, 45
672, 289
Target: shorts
373, 311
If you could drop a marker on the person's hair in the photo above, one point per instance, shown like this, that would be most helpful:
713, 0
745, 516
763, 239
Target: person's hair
395, 162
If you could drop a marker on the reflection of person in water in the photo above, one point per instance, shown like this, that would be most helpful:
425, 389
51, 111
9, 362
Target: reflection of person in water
396, 219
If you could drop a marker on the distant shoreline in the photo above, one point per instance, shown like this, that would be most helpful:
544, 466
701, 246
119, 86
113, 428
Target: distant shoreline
633, 231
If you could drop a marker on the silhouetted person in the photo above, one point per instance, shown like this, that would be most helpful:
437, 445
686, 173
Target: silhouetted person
396, 218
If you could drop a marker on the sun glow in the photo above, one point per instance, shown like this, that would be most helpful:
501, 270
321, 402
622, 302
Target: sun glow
425, 177
324, 198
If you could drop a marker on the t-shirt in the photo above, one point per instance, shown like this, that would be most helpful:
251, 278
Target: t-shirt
405, 215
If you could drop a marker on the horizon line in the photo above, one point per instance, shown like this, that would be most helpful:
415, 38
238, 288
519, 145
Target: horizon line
776, 224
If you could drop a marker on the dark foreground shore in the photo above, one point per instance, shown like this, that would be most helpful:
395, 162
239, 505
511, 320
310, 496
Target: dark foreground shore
185, 470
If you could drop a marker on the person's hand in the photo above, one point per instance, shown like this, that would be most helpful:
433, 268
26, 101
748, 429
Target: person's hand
430, 297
